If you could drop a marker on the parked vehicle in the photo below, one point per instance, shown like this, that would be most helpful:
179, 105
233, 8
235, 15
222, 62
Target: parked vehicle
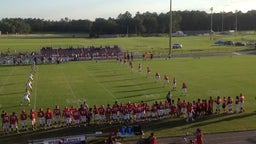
229, 43
251, 43
176, 46
240, 44
219, 43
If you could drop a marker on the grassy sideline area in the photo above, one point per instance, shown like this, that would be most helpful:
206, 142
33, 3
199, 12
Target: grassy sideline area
106, 81
158, 45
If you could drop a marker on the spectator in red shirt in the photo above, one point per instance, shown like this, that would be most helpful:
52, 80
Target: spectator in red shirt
152, 139
199, 136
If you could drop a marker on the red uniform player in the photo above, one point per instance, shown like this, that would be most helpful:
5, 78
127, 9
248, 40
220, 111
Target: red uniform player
23, 118
48, 117
41, 117
32, 117
57, 115
14, 122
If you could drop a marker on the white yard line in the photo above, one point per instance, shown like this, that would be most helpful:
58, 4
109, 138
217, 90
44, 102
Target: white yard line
37, 74
69, 86
101, 85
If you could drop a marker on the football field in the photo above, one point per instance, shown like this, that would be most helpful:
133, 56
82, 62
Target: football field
104, 82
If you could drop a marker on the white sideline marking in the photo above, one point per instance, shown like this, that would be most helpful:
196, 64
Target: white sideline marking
37, 73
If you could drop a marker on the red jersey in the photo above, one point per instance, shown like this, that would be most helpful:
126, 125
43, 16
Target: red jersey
166, 77
56, 112
161, 106
40, 114
218, 101
102, 111
242, 98
173, 108
166, 105
199, 138
32, 115
147, 108
189, 107
23, 116
108, 110
230, 100
48, 114
184, 104
115, 109
199, 105
174, 81
76, 115
67, 113
13, 119
5, 119
184, 85
210, 103
154, 108
95, 111
83, 112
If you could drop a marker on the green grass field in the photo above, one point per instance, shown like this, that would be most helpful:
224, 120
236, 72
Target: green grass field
107, 81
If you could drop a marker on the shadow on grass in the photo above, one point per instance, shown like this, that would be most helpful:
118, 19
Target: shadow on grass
11, 93
112, 81
130, 85
137, 90
229, 117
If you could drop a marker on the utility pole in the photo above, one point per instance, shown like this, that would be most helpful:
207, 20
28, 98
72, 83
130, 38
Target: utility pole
236, 20
170, 31
211, 31
222, 22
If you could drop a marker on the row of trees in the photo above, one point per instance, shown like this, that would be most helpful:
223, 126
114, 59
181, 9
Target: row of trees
145, 23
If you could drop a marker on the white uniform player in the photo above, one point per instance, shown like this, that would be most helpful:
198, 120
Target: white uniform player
29, 85
30, 78
26, 98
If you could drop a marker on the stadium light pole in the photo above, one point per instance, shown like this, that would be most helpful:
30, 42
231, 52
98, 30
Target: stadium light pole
170, 31
236, 20
222, 21
211, 31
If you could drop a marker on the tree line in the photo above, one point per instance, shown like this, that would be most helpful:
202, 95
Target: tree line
141, 24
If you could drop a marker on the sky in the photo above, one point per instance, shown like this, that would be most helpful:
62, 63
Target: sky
91, 9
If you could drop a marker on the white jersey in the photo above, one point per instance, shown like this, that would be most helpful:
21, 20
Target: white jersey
30, 77
26, 95
29, 85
